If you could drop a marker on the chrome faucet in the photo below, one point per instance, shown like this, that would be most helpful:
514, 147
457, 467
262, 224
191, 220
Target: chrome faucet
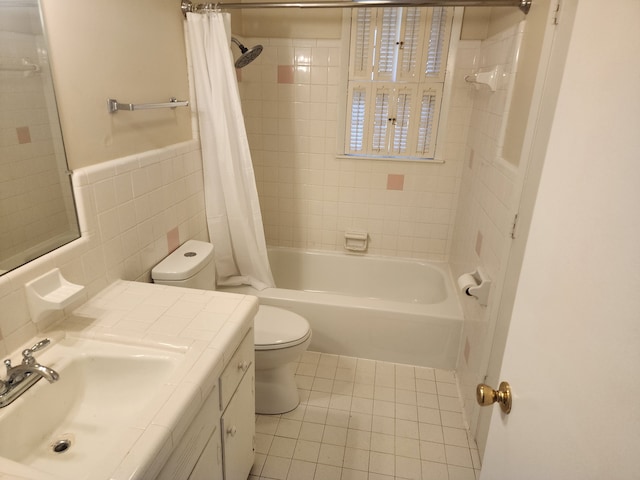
21, 377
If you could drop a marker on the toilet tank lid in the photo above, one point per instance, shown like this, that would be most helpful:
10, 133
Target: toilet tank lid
187, 260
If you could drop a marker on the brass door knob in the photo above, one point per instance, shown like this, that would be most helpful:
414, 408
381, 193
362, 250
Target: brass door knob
485, 395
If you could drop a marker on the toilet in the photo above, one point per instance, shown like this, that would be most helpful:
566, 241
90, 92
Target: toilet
280, 336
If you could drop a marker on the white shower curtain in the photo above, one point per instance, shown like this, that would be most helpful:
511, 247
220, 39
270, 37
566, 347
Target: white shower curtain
231, 199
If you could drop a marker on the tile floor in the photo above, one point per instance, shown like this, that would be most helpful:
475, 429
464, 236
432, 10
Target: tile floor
367, 420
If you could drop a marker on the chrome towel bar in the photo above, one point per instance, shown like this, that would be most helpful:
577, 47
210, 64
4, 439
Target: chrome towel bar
113, 105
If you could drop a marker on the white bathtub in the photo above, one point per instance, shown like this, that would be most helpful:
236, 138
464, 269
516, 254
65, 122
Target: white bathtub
382, 308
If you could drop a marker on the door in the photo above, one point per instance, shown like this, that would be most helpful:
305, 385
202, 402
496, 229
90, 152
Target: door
572, 353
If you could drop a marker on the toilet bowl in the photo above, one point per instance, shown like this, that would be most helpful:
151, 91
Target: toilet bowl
280, 336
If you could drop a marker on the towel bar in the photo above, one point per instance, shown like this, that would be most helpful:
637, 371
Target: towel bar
113, 105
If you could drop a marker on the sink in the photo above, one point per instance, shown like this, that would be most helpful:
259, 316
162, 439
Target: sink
73, 428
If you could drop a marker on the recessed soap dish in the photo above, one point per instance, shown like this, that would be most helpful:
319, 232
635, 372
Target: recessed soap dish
50, 292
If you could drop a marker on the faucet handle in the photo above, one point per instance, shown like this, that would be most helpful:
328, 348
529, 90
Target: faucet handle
7, 363
40, 345
27, 354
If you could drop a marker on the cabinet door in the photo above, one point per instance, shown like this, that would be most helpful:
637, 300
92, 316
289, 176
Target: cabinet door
209, 466
238, 430
189, 450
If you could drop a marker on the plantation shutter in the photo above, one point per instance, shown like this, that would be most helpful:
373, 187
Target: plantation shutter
387, 43
397, 71
430, 99
411, 38
402, 120
357, 119
438, 44
362, 38
381, 120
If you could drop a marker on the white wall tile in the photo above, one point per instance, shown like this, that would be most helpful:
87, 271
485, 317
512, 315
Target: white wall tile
351, 194
126, 207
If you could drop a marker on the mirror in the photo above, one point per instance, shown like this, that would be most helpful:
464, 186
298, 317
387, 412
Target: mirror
37, 209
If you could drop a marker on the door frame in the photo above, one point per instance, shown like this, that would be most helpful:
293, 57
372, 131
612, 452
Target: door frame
553, 54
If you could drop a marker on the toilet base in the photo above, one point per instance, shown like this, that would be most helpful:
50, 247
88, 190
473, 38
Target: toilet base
276, 390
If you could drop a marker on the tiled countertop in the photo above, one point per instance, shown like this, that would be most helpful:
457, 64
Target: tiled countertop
205, 326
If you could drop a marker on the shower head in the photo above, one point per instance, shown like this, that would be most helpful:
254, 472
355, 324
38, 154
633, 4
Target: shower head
248, 55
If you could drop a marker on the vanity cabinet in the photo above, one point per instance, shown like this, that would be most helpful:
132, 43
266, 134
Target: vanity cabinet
199, 455
218, 445
237, 403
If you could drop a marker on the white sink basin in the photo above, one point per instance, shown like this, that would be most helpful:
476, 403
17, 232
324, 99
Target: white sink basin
104, 389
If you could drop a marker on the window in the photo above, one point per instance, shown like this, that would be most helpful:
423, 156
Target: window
397, 68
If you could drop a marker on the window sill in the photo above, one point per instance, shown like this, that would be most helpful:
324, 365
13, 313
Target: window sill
390, 158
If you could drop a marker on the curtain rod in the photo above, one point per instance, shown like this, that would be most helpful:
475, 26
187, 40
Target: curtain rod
524, 5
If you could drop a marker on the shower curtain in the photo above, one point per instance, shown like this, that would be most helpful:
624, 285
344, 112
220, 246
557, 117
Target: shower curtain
231, 199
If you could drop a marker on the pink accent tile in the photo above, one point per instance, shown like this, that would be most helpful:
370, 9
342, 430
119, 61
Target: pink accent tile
24, 136
173, 239
285, 73
395, 182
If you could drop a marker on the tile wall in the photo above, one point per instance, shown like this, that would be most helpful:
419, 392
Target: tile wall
133, 211
309, 198
488, 199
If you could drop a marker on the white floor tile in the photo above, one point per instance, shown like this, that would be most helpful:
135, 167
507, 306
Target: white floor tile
301, 470
356, 459
282, 447
431, 433
348, 474
338, 418
346, 374
331, 455
306, 451
408, 468
455, 436
362, 405
288, 428
407, 447
276, 468
328, 472
335, 435
381, 442
458, 456
434, 471
362, 419
311, 431
315, 414
358, 439
432, 452
382, 463
461, 473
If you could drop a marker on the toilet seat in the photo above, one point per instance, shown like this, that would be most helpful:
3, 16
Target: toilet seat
276, 328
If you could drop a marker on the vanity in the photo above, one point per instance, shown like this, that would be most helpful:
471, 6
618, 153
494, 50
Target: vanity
154, 382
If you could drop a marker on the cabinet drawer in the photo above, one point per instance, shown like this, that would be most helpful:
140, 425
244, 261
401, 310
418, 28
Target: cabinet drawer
240, 362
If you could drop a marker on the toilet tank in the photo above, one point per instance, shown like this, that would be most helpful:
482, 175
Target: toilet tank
191, 265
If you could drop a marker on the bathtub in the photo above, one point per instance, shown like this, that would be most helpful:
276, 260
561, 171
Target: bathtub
382, 308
